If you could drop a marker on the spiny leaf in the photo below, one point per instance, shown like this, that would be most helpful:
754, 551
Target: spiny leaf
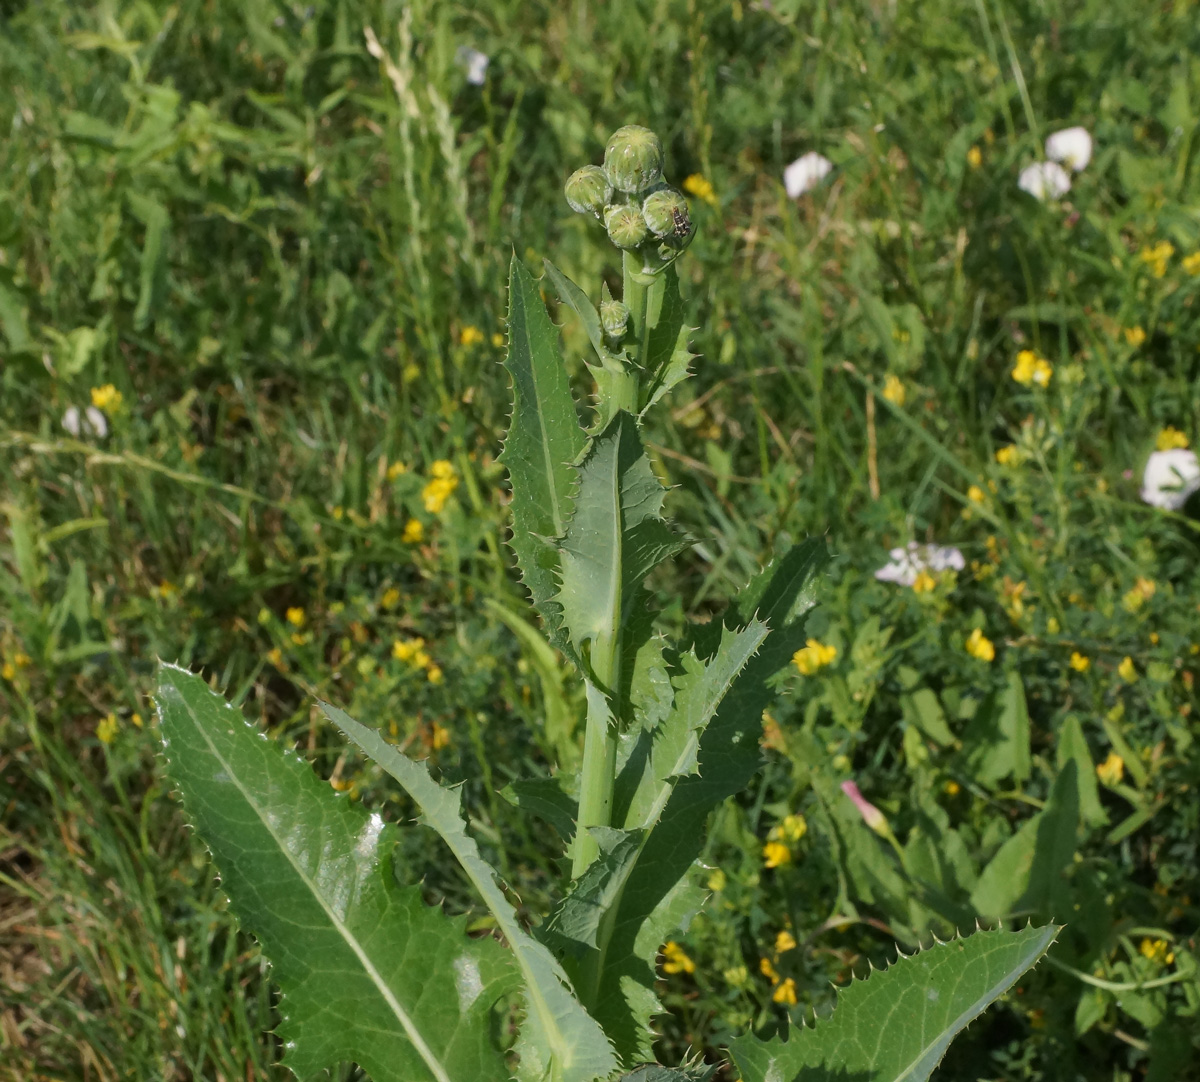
544, 439
615, 537
652, 903
666, 359
368, 972
559, 1040
544, 797
896, 1025
575, 922
700, 688
575, 299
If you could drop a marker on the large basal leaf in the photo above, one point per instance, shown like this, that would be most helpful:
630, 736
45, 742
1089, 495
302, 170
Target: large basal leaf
543, 441
658, 893
368, 972
896, 1025
560, 1041
615, 537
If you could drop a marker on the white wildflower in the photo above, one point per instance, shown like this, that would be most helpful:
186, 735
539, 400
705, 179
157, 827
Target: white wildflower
907, 563
90, 422
1170, 478
475, 63
1044, 180
805, 173
1071, 146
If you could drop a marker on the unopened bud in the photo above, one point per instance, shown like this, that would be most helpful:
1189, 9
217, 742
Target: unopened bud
626, 226
633, 158
588, 190
871, 815
666, 213
614, 318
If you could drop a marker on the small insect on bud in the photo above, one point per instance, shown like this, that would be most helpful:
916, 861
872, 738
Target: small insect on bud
633, 159
626, 226
666, 213
588, 190
614, 318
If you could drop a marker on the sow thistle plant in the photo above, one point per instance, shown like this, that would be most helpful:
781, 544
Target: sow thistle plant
369, 972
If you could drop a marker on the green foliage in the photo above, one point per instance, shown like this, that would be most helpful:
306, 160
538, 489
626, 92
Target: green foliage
368, 971
896, 1025
319, 311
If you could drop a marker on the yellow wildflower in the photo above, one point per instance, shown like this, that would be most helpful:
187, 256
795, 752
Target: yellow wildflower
776, 854
390, 599
813, 656
1127, 671
441, 486
677, 960
1112, 770
439, 737
1080, 663
470, 335
768, 970
952, 788
701, 187
1158, 257
1135, 336
1158, 951
22, 659
924, 582
975, 494
137, 720
338, 513
106, 731
980, 647
1030, 368
395, 470
1191, 263
434, 675
107, 398
894, 390
414, 532
1008, 456
974, 157
786, 993
410, 372
406, 649
497, 340
295, 616
275, 657
8, 671
717, 881
422, 660
1170, 437
784, 941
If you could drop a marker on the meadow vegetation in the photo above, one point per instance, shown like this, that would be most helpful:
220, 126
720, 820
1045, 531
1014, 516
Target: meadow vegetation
259, 249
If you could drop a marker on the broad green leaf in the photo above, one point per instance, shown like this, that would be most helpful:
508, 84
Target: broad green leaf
12, 320
1025, 875
922, 709
615, 537
543, 441
369, 973
559, 1040
660, 892
997, 736
1072, 747
896, 1025
544, 797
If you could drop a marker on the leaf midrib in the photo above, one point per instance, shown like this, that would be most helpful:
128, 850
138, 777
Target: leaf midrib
427, 1054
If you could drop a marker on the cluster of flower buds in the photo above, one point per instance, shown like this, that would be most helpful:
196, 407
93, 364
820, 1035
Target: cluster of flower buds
628, 195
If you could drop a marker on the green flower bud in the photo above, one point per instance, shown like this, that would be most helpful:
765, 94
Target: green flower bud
588, 190
633, 159
666, 213
614, 318
626, 226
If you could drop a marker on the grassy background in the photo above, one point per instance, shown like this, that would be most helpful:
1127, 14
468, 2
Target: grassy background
271, 248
